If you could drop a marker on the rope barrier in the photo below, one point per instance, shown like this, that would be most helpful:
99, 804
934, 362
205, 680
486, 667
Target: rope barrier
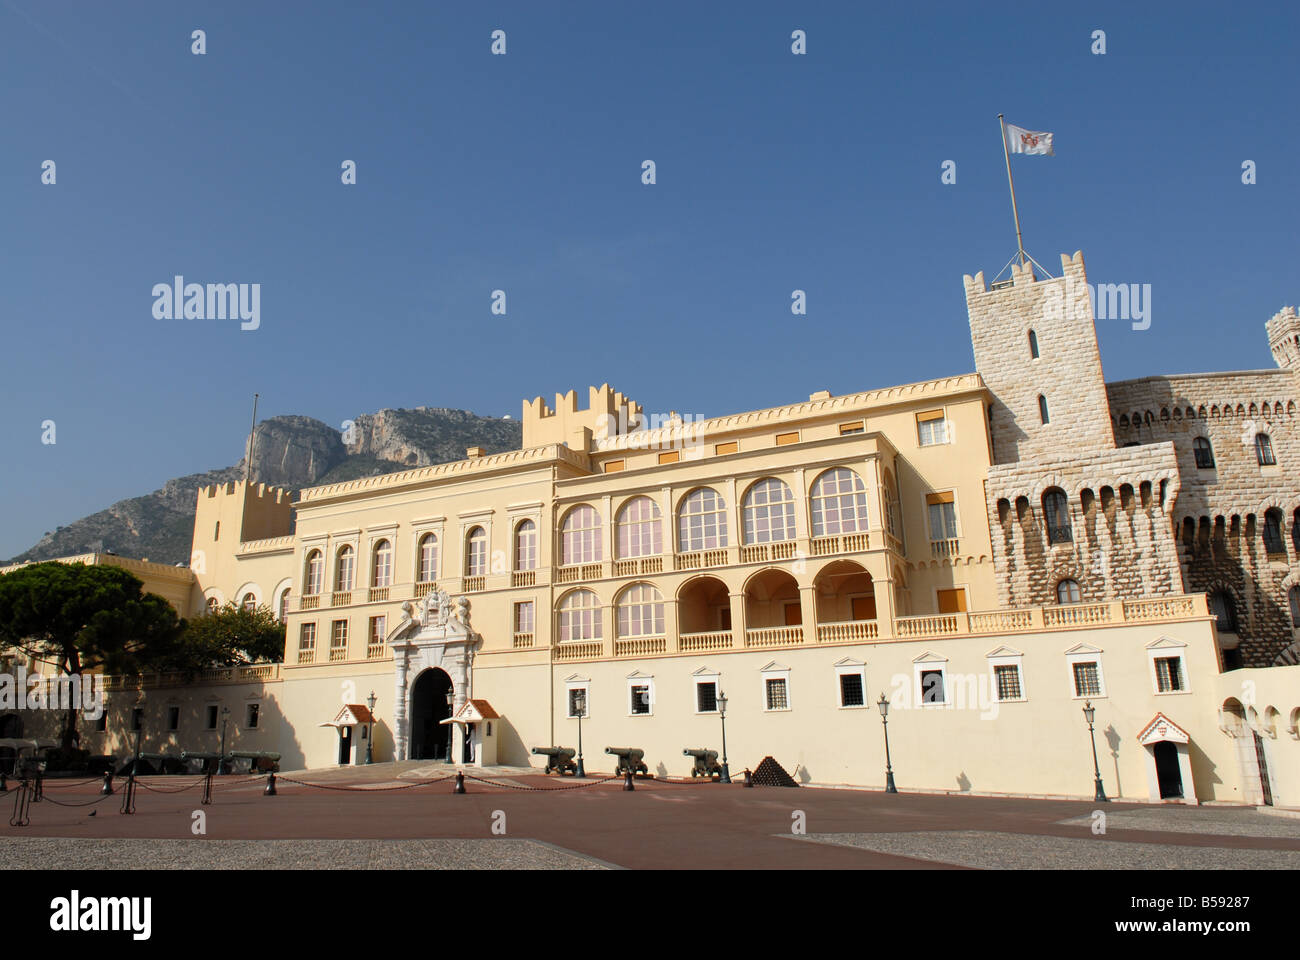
141, 783
521, 786
88, 803
327, 786
60, 785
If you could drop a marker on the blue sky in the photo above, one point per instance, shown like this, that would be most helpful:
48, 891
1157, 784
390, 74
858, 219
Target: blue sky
522, 173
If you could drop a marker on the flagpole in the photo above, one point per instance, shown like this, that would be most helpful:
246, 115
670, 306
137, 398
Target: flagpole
252, 439
1020, 244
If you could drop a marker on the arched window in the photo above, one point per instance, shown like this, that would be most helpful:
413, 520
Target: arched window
526, 546
428, 559
638, 529
284, 605
702, 521
769, 512
1033, 345
314, 578
640, 611
1264, 450
1273, 542
1204, 453
249, 603
839, 503
382, 576
213, 606
343, 569
1042, 409
1293, 595
1056, 510
580, 617
580, 536
1067, 591
476, 552
1224, 611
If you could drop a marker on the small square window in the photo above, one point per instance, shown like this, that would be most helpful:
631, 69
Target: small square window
577, 702
210, 721
640, 705
848, 429
615, 466
173, 718
778, 696
932, 687
251, 712
931, 428
1008, 681
782, 439
706, 696
137, 718
1169, 674
1087, 679
851, 691
671, 456
722, 449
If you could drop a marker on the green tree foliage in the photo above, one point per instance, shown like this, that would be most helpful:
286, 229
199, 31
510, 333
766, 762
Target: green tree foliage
229, 636
85, 618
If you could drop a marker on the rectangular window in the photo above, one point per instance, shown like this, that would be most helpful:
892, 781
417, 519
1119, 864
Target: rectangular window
615, 466
524, 617
671, 456
1087, 681
1169, 674
210, 721
952, 601
851, 692
640, 696
1008, 681
378, 628
932, 687
943, 516
307, 643
173, 718
706, 696
722, 449
784, 438
931, 428
778, 696
577, 702
250, 715
848, 429
339, 640
137, 718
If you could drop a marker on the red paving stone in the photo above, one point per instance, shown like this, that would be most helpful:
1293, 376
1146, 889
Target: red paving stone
660, 825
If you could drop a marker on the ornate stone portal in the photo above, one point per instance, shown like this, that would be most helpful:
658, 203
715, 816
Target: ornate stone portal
434, 633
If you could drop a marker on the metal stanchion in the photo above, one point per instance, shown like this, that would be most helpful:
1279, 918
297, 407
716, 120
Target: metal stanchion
460, 782
270, 785
749, 780
107, 789
627, 781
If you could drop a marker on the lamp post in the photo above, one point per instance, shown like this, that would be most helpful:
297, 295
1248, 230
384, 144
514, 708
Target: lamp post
1089, 712
722, 713
370, 733
221, 756
883, 704
580, 710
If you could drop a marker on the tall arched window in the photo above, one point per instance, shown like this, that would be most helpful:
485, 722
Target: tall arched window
769, 512
580, 536
638, 529
344, 567
640, 611
428, 571
526, 546
1224, 610
1295, 531
1033, 345
1203, 452
702, 521
314, 576
213, 606
284, 605
839, 503
580, 617
1067, 591
1293, 595
1056, 510
476, 552
1273, 542
1264, 450
382, 575
249, 603
1042, 409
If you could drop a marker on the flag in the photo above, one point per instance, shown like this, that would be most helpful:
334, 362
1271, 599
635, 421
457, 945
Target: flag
1020, 140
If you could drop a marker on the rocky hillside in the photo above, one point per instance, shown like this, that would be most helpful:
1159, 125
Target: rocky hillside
290, 451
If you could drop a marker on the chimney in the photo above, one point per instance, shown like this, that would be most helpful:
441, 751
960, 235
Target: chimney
473, 453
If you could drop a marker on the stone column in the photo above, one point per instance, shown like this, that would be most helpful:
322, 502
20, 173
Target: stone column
401, 722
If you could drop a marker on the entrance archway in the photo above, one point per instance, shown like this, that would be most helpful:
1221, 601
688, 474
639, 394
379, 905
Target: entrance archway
1169, 777
430, 705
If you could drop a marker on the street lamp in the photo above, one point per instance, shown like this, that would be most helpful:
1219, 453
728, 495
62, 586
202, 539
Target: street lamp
722, 712
580, 711
1089, 711
221, 757
370, 734
883, 704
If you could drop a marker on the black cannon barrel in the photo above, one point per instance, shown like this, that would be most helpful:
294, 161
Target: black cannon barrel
625, 751
553, 751
251, 755
199, 755
696, 751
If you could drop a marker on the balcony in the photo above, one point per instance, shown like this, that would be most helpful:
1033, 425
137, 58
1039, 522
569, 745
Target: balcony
701, 559
578, 572
378, 594
376, 651
764, 637
847, 631
580, 650
341, 598
640, 646
638, 567
424, 588
523, 578
309, 603
523, 641
474, 584
709, 640
338, 653
945, 549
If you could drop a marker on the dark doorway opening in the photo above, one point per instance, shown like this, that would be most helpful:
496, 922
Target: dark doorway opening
345, 745
1169, 774
430, 737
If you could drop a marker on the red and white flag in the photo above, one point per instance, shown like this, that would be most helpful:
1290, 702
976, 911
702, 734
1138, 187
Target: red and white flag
1020, 140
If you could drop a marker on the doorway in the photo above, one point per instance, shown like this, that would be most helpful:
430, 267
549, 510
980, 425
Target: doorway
430, 737
1169, 776
345, 745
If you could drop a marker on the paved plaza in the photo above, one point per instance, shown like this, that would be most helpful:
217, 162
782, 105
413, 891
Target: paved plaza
406, 816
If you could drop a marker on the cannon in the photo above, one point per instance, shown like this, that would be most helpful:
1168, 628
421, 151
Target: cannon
629, 760
706, 762
558, 758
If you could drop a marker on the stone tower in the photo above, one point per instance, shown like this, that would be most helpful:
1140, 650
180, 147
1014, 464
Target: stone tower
1284, 338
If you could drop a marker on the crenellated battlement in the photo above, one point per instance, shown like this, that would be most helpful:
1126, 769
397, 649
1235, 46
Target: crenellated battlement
608, 413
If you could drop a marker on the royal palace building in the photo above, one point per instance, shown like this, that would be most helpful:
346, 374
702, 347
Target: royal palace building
989, 552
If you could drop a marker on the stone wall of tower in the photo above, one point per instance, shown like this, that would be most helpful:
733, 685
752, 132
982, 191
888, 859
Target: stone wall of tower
1066, 373
1220, 513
